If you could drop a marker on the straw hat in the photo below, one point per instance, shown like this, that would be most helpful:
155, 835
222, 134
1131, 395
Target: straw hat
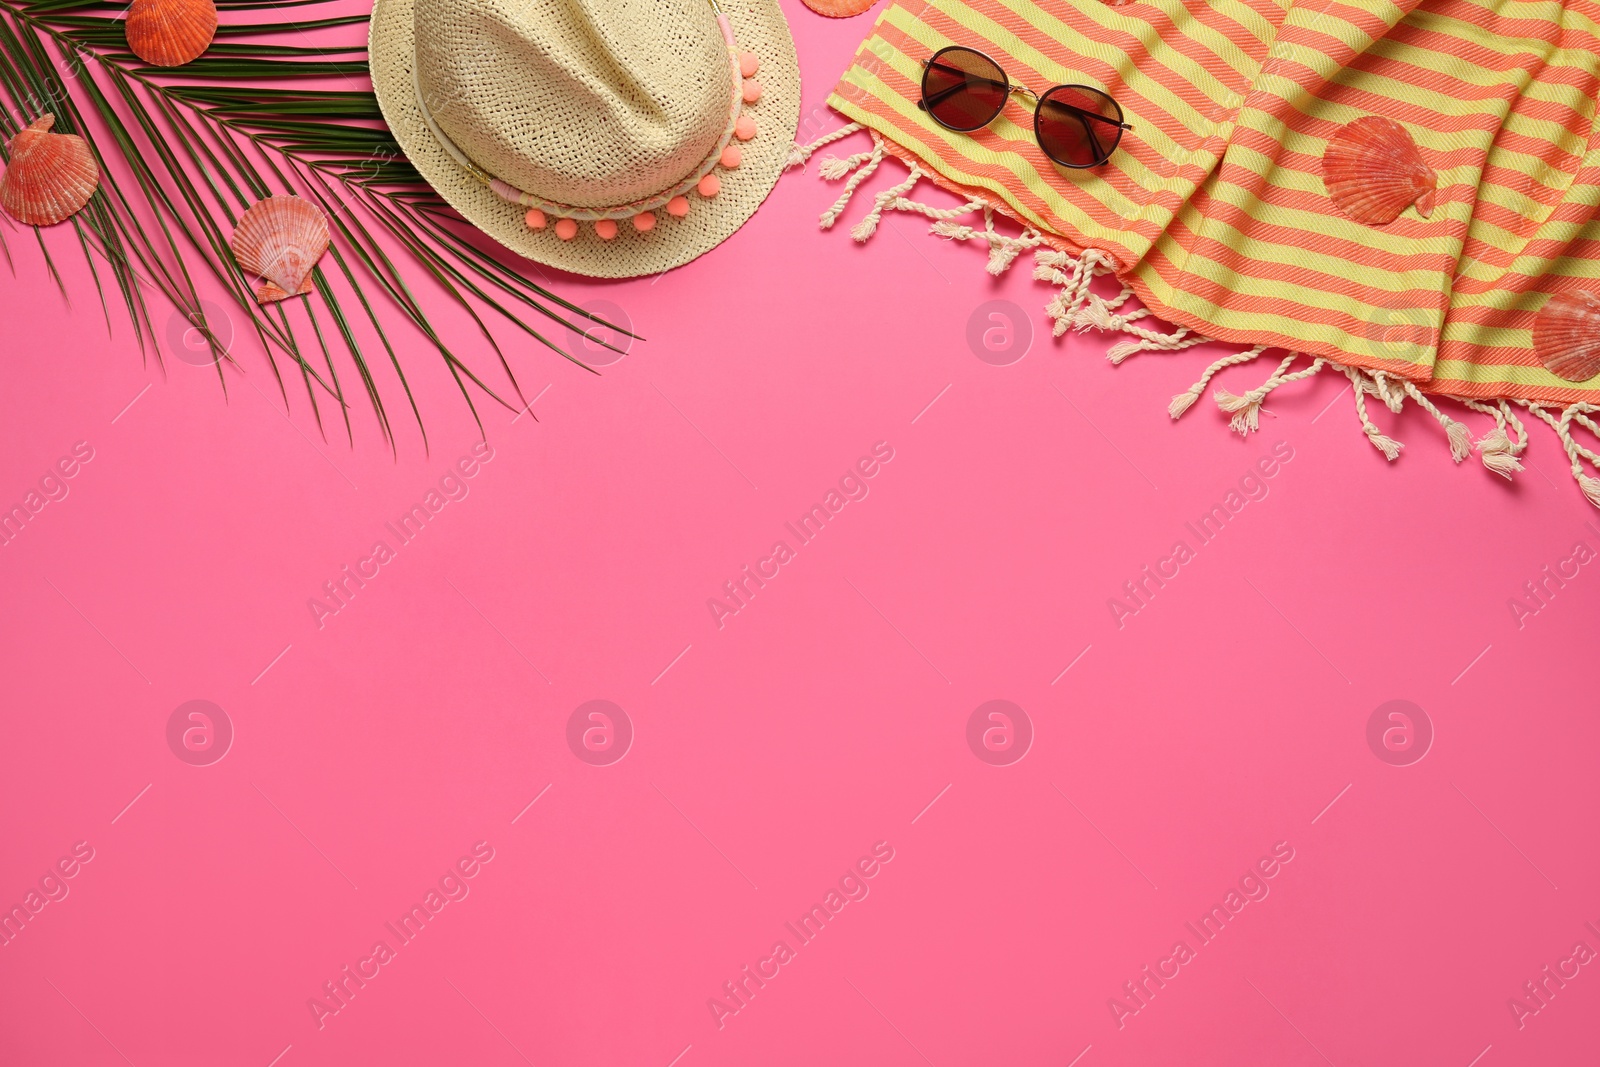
612, 138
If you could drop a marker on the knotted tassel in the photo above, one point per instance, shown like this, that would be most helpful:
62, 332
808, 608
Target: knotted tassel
1185, 400
1383, 388
1455, 432
1458, 435
868, 225
1048, 264
1151, 341
799, 153
1577, 453
1003, 250
1246, 409
1591, 488
832, 168
1496, 448
1385, 444
1097, 313
873, 161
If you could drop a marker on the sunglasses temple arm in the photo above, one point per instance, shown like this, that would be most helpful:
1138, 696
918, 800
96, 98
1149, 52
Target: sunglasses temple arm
940, 97
1109, 122
1085, 113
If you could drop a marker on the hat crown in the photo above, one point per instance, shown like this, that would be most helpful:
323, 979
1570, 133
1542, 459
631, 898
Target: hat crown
584, 102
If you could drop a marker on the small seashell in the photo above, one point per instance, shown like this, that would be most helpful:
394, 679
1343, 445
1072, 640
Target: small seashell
1566, 335
1373, 171
280, 239
839, 9
51, 175
170, 33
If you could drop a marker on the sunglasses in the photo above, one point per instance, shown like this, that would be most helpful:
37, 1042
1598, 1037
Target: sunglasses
965, 90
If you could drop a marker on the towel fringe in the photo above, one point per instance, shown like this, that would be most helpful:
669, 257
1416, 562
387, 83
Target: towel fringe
1185, 400
1074, 274
1576, 453
833, 169
1496, 448
1073, 306
868, 226
1456, 433
799, 153
1366, 385
1246, 409
1003, 250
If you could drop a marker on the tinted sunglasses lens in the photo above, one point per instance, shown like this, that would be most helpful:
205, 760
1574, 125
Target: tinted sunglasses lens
1068, 131
963, 89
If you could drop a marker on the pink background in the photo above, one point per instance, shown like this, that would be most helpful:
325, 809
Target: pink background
827, 715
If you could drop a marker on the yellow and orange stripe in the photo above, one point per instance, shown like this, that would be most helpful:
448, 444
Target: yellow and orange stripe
1214, 208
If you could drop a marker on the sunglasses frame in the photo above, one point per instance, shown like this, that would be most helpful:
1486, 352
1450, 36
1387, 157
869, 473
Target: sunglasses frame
1038, 100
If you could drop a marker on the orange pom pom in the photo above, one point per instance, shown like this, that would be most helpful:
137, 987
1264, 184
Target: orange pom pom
678, 207
566, 229
731, 156
535, 219
745, 128
606, 229
749, 64
752, 91
644, 222
709, 186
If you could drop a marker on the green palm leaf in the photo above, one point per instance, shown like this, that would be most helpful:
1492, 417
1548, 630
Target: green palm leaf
251, 118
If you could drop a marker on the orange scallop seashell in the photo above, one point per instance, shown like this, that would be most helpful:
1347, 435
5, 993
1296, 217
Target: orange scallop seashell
839, 9
279, 240
1373, 171
51, 175
1566, 335
170, 33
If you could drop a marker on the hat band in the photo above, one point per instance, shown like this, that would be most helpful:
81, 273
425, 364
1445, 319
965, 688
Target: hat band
510, 193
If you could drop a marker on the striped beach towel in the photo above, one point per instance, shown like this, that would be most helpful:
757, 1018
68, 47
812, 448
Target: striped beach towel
1227, 211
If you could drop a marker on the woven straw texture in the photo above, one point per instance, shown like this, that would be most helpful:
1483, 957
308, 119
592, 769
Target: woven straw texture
586, 102
1215, 208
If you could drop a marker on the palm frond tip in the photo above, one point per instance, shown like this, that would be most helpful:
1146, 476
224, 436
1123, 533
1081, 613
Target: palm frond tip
248, 119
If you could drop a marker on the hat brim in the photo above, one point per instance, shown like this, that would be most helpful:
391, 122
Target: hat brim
758, 26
